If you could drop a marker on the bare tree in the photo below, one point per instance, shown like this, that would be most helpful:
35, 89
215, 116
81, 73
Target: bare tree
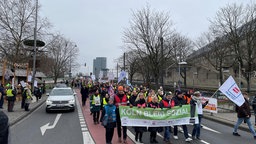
147, 32
16, 25
237, 23
63, 53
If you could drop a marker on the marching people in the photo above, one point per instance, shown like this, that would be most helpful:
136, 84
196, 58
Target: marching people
132, 98
84, 93
95, 106
244, 114
120, 99
153, 130
11, 97
28, 97
179, 101
196, 101
167, 102
140, 103
105, 100
108, 119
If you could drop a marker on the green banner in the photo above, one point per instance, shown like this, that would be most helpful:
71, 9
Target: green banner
156, 117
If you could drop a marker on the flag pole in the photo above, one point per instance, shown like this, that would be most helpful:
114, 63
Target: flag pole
214, 93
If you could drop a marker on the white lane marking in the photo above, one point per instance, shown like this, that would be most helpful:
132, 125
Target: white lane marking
87, 138
209, 129
132, 137
47, 126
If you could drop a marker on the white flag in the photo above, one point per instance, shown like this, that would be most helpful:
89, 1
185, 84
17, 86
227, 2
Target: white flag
232, 91
121, 76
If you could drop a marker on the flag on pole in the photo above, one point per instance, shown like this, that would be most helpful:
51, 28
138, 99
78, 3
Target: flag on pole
121, 76
111, 91
232, 91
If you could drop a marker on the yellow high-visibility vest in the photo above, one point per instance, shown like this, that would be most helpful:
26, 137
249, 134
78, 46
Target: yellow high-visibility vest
9, 93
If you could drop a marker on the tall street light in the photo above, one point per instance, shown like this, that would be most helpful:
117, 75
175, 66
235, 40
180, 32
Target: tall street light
181, 63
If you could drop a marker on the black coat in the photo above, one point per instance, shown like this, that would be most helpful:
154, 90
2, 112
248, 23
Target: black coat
4, 128
244, 110
154, 129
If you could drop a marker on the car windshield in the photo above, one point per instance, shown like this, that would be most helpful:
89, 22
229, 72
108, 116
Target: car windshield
61, 92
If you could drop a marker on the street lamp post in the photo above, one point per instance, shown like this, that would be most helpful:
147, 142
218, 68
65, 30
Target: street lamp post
35, 43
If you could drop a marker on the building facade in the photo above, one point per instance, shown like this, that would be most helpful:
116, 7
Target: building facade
99, 64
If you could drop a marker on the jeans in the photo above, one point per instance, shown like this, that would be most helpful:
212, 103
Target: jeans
167, 133
197, 127
185, 129
247, 120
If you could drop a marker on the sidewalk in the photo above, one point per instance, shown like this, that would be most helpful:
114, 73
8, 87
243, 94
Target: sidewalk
19, 113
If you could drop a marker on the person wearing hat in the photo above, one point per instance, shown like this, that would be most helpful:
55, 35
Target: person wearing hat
108, 119
167, 102
11, 97
28, 97
196, 102
120, 99
179, 101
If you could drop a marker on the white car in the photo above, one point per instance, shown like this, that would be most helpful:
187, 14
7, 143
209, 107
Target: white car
61, 99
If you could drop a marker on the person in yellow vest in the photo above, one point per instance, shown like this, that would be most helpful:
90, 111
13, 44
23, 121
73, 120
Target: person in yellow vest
105, 100
95, 106
28, 97
11, 97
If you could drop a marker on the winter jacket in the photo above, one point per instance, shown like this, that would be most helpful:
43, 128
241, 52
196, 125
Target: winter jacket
244, 110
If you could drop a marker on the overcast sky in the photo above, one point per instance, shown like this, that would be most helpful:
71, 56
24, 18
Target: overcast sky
97, 26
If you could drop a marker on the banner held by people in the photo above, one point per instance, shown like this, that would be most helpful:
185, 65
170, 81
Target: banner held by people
232, 91
156, 117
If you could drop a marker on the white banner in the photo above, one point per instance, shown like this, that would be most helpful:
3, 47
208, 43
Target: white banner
212, 105
232, 91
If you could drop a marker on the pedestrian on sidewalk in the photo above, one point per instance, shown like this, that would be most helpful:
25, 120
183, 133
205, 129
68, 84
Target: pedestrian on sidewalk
254, 108
2, 93
120, 99
196, 102
4, 128
244, 114
28, 97
108, 119
11, 97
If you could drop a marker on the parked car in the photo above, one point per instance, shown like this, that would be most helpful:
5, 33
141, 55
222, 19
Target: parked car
61, 98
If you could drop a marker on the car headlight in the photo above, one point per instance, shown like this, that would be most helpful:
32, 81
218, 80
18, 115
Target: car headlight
72, 101
48, 101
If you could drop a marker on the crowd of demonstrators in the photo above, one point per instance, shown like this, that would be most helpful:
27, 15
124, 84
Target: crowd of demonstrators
244, 114
140, 97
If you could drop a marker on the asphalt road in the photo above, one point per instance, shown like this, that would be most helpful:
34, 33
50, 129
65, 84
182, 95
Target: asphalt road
63, 128
211, 133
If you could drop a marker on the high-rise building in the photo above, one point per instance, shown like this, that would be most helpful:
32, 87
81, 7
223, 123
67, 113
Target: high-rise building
99, 64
